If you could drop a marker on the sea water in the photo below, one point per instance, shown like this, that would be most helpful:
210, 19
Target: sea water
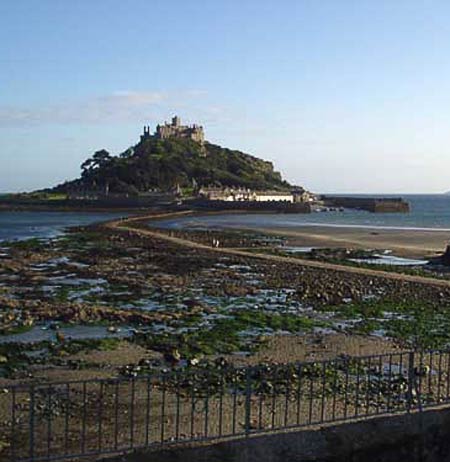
428, 212
26, 225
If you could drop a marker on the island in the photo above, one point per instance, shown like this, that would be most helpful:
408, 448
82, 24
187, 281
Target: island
176, 167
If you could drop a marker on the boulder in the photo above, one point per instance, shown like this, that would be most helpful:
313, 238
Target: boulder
446, 256
444, 259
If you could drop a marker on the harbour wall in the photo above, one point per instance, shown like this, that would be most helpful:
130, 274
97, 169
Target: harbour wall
269, 206
370, 204
107, 203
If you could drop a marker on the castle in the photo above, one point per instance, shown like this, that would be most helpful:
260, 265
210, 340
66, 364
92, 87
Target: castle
176, 130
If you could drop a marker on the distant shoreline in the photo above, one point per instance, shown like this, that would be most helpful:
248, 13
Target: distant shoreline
404, 242
319, 225
83, 209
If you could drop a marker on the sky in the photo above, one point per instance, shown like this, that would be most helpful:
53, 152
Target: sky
342, 95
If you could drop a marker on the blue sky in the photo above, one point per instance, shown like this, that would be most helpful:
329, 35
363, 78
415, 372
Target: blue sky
342, 95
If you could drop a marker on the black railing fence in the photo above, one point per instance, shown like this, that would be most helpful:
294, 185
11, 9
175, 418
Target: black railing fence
51, 421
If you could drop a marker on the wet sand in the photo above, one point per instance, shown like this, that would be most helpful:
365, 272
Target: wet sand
281, 349
404, 243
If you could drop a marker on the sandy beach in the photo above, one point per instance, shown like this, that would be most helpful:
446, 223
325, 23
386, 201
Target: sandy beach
405, 243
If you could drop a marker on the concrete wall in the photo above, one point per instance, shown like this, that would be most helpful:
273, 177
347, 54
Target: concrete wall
405, 438
263, 206
107, 202
273, 198
376, 205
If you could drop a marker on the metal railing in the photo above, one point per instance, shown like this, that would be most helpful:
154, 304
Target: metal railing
53, 421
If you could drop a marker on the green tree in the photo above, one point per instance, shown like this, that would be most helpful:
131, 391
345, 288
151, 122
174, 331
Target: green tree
100, 159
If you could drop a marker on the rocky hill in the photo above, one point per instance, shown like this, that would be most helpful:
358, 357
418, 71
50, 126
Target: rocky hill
164, 164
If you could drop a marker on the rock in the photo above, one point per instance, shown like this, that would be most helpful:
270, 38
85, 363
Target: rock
193, 362
421, 371
444, 259
221, 362
172, 357
4, 445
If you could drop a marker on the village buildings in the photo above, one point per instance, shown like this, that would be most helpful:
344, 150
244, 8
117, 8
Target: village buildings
227, 194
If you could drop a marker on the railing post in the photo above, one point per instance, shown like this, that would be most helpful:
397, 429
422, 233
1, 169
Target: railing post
248, 394
31, 416
411, 380
13, 424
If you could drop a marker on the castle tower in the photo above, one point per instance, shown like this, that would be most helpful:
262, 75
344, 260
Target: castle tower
176, 130
146, 133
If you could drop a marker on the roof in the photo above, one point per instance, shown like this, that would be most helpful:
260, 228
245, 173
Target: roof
273, 193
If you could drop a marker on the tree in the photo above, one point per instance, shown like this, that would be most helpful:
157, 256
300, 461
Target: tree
100, 159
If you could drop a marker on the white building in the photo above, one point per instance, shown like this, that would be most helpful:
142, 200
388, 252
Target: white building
243, 194
272, 196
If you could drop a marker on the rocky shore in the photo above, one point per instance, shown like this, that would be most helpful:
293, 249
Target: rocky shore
186, 303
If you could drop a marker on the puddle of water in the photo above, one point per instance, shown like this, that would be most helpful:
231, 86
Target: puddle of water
388, 315
389, 260
79, 295
243, 268
70, 280
384, 258
323, 330
59, 260
379, 333
44, 333
344, 324
298, 249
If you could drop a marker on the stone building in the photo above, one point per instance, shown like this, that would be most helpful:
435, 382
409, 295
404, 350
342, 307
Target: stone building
302, 195
176, 130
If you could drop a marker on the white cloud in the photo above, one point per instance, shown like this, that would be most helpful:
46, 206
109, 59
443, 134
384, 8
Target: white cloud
118, 107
